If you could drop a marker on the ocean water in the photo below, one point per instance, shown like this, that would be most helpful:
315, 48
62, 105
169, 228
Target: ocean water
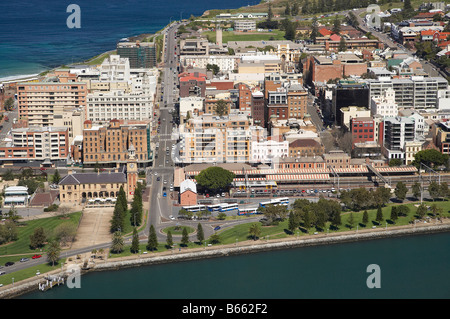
410, 267
34, 36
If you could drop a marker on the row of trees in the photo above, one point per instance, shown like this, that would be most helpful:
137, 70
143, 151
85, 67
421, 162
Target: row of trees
362, 198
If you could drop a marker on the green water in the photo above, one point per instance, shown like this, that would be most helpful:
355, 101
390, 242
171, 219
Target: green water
411, 267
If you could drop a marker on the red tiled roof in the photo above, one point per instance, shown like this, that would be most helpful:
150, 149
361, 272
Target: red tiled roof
335, 37
324, 31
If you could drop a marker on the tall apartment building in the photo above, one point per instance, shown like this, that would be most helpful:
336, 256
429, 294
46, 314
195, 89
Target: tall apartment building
348, 93
441, 136
36, 143
297, 100
258, 105
140, 54
397, 131
225, 63
385, 104
245, 97
106, 106
38, 101
415, 92
214, 139
110, 144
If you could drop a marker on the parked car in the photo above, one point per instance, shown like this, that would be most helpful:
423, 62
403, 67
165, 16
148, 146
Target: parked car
9, 263
23, 260
164, 194
2, 273
36, 256
216, 228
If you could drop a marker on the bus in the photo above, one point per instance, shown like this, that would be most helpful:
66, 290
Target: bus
248, 211
228, 207
214, 208
194, 208
276, 201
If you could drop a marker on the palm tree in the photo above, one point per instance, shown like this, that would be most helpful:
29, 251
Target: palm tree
53, 252
117, 242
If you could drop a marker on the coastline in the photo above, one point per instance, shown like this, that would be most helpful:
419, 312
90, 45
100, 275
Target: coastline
30, 285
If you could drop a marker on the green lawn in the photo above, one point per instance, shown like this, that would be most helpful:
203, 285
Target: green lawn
22, 245
29, 272
179, 231
245, 36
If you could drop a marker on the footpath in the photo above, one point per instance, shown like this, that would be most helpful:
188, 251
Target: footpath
88, 264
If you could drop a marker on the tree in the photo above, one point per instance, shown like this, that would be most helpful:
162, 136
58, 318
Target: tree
213, 67
365, 218
8, 232
9, 104
293, 221
8, 175
287, 11
136, 207
407, 5
314, 29
433, 190
269, 12
56, 177
214, 178
400, 191
416, 190
307, 219
135, 242
336, 219
117, 242
200, 234
254, 231
342, 45
394, 213
152, 243
336, 25
395, 162
351, 221
53, 252
38, 239
65, 232
421, 210
122, 199
184, 237
214, 239
430, 158
443, 190
379, 218
221, 108
117, 221
290, 30
169, 240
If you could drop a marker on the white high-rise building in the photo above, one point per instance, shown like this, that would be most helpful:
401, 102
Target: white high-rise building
384, 105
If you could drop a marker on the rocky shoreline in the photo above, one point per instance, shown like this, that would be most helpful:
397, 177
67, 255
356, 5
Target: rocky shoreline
26, 286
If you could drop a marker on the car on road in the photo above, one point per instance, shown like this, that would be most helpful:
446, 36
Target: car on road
171, 217
164, 194
2, 273
9, 263
216, 228
23, 260
36, 256
158, 178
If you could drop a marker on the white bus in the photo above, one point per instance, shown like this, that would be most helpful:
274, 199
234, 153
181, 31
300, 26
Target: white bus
194, 208
228, 207
248, 211
277, 201
214, 208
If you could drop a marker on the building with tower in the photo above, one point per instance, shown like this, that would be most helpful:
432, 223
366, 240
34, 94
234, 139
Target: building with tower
100, 187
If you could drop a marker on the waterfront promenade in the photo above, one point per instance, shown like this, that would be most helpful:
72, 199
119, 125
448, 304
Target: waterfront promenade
246, 247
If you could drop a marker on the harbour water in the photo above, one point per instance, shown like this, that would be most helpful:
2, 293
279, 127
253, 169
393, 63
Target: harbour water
411, 267
34, 36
